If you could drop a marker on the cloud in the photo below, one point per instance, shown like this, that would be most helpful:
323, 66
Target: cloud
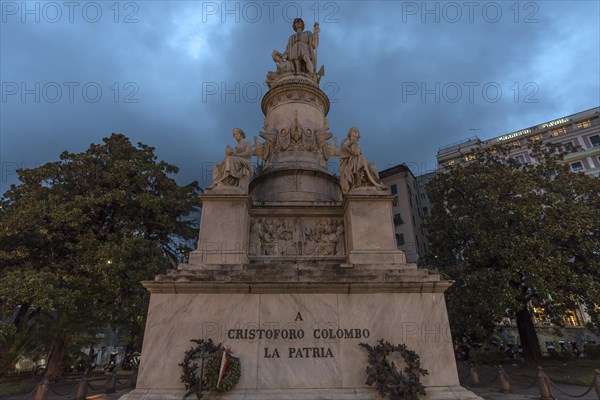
412, 76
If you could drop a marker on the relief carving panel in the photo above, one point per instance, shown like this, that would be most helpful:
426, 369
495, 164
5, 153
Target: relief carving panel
286, 236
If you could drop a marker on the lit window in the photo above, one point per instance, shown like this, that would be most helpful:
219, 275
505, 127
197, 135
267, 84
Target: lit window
559, 131
469, 157
571, 319
516, 143
536, 137
520, 159
595, 140
394, 189
583, 124
396, 203
577, 166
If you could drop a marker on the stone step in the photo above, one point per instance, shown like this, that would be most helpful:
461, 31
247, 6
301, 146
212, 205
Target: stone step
329, 273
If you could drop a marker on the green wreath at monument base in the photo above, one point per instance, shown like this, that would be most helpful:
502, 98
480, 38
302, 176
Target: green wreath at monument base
210, 365
388, 381
231, 377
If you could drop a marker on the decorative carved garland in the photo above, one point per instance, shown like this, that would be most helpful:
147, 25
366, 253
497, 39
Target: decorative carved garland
388, 381
209, 370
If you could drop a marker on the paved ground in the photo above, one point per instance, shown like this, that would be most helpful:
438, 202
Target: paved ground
489, 390
67, 391
489, 393
522, 388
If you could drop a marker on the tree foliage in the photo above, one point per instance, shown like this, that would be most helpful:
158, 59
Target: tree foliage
515, 236
79, 234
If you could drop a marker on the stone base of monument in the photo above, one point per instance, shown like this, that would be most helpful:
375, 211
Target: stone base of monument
433, 393
296, 330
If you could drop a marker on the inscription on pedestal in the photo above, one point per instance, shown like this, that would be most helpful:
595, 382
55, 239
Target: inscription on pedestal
293, 335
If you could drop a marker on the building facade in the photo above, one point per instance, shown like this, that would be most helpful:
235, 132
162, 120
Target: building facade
581, 129
408, 211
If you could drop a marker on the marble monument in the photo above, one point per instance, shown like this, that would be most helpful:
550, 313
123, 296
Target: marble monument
295, 267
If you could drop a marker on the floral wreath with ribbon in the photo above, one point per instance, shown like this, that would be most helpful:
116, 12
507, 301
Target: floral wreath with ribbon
219, 370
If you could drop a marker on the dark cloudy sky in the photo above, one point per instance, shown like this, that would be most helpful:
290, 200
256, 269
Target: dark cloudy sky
179, 75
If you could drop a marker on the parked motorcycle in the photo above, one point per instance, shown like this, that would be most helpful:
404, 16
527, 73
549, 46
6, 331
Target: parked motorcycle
131, 361
112, 362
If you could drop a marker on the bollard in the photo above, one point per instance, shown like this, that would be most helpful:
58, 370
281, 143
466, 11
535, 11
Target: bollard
544, 385
133, 379
474, 376
503, 378
81, 392
41, 393
111, 383
597, 383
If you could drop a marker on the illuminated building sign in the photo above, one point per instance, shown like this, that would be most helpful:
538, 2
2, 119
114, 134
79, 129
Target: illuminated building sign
535, 128
553, 123
514, 134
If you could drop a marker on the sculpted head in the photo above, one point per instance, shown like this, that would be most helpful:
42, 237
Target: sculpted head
298, 23
238, 133
353, 133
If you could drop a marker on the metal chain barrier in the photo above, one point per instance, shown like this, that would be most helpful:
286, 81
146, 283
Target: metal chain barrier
571, 395
127, 382
94, 388
464, 378
493, 380
523, 387
61, 394
31, 394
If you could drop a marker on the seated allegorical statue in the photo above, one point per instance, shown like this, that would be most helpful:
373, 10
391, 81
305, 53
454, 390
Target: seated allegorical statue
236, 168
355, 170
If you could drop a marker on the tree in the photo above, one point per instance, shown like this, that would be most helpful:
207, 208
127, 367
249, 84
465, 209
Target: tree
515, 236
81, 233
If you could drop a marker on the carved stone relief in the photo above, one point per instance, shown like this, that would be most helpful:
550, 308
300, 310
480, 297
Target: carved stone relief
297, 236
295, 138
298, 96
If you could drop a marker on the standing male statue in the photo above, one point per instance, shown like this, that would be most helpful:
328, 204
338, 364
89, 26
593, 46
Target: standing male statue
301, 48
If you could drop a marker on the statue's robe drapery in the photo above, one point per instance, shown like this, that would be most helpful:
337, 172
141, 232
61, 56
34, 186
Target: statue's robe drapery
236, 168
355, 169
299, 45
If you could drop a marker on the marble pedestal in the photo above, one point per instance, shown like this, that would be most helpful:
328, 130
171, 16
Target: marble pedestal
223, 237
297, 337
433, 393
370, 235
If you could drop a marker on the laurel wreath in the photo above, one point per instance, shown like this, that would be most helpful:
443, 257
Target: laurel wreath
231, 377
210, 356
389, 382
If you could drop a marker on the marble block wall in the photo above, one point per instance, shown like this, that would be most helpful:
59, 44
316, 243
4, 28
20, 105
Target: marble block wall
317, 358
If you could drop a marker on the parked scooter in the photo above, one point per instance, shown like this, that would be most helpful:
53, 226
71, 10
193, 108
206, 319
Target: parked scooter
575, 349
131, 361
112, 362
